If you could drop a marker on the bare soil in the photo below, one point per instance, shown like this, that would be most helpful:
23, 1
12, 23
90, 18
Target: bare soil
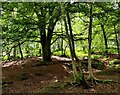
30, 75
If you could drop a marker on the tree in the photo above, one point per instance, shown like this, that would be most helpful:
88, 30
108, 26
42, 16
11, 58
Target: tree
105, 39
53, 16
78, 76
39, 19
117, 41
91, 77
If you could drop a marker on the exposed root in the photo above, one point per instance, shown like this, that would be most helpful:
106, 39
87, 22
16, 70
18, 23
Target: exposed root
77, 84
107, 81
94, 81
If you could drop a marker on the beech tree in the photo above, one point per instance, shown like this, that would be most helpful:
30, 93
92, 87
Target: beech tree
52, 13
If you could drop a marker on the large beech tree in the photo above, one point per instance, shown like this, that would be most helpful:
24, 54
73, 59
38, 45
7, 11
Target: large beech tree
46, 27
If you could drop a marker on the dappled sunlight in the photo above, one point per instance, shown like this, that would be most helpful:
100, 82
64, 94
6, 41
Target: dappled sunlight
13, 63
61, 58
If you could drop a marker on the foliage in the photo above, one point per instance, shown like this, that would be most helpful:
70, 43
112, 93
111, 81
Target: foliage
20, 23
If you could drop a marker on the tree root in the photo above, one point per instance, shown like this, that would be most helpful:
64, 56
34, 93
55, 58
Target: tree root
89, 83
106, 81
94, 81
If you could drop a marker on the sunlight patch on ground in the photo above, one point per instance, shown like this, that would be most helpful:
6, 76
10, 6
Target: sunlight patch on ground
61, 58
12, 63
22, 62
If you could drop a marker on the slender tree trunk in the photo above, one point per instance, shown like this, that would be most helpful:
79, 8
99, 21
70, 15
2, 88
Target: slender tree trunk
62, 46
105, 39
117, 42
8, 53
71, 36
62, 40
89, 45
14, 53
71, 50
20, 50
58, 44
119, 39
78, 77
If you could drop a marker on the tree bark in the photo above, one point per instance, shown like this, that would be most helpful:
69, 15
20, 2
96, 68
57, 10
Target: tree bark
46, 37
45, 42
20, 50
89, 45
14, 53
117, 42
105, 39
71, 36
71, 50
78, 76
62, 40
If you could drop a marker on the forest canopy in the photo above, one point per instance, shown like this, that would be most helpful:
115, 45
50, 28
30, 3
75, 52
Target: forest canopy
35, 29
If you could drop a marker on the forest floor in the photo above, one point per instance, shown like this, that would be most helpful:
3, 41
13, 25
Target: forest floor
31, 76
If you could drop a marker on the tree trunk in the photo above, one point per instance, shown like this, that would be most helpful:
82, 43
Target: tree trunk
62, 40
46, 52
62, 46
71, 36
71, 50
46, 23
46, 42
14, 53
20, 50
105, 39
8, 53
78, 77
117, 42
89, 45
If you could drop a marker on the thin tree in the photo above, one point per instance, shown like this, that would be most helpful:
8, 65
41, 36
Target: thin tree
105, 39
78, 76
19, 45
90, 77
117, 41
